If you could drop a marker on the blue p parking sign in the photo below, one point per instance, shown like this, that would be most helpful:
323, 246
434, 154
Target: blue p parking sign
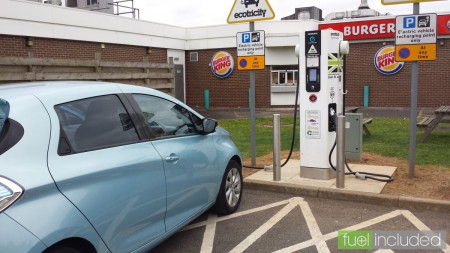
246, 37
409, 22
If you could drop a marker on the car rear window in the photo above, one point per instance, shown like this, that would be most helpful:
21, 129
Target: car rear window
94, 123
10, 130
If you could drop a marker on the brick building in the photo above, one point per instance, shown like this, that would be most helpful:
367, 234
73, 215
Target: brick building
66, 33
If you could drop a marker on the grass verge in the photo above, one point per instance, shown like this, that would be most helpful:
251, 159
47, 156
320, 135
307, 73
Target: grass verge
390, 137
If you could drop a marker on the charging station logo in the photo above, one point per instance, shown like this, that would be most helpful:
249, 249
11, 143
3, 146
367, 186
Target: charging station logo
384, 61
251, 37
222, 64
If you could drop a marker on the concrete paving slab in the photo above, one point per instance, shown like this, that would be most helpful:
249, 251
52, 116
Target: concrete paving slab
291, 174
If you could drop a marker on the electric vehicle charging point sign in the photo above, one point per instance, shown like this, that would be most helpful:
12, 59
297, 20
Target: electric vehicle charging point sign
251, 50
415, 37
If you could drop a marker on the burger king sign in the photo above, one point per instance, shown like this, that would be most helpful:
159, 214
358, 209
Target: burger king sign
384, 61
222, 64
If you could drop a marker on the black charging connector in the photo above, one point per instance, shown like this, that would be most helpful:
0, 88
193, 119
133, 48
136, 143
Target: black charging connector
332, 117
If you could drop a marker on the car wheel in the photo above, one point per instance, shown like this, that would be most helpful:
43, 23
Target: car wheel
230, 193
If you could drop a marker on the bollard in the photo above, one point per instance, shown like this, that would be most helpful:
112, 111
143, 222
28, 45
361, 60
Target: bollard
207, 99
366, 96
340, 152
276, 148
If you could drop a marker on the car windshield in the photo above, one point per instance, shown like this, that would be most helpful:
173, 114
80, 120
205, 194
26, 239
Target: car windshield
4, 112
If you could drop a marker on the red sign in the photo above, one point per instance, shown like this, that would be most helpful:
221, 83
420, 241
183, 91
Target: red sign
359, 30
377, 28
443, 24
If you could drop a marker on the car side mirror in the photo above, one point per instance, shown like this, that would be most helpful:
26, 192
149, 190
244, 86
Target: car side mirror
209, 125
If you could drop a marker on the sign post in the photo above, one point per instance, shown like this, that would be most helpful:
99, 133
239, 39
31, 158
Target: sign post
250, 11
413, 112
415, 40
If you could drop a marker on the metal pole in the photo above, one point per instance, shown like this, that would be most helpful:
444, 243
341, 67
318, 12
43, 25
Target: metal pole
276, 148
252, 110
413, 113
340, 152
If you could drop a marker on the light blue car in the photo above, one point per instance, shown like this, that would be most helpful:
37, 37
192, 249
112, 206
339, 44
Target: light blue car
102, 167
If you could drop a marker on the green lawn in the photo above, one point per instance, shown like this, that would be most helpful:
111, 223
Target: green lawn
390, 137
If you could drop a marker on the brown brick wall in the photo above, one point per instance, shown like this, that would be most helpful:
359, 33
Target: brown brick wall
224, 92
14, 46
394, 90
385, 91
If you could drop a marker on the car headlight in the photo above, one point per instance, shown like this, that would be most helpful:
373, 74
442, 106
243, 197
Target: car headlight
9, 193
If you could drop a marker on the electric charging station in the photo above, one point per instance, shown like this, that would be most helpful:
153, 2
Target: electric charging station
321, 98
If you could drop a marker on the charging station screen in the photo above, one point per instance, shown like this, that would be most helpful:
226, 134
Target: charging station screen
312, 75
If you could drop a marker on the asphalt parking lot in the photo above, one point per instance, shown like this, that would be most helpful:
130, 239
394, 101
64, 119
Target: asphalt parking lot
275, 222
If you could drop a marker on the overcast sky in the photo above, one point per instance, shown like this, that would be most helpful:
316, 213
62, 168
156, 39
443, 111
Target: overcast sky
191, 13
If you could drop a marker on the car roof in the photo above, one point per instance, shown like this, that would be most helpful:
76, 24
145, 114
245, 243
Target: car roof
57, 92
44, 88
60, 88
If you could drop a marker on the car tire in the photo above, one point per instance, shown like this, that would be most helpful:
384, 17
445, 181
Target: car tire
231, 188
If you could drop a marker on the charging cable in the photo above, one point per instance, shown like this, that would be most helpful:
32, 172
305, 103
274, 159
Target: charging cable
361, 175
293, 131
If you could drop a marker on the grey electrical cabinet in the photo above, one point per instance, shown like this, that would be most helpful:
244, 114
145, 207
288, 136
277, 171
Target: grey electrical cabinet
353, 136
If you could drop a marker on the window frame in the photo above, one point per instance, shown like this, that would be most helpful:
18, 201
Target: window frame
287, 70
90, 2
64, 144
191, 58
144, 123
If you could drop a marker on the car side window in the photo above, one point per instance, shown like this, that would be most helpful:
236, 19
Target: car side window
166, 119
94, 123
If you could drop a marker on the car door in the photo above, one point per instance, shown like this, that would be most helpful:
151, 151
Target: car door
191, 173
109, 173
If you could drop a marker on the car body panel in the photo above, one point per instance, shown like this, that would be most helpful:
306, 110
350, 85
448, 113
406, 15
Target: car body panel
40, 197
54, 220
191, 180
19, 239
120, 190
113, 197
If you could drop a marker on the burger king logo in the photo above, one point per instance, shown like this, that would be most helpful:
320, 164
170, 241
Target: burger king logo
222, 64
385, 61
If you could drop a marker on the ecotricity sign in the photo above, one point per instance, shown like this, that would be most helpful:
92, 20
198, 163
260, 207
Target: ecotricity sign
384, 61
222, 64
249, 11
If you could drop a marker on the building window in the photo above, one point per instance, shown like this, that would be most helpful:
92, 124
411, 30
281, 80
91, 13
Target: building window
92, 2
193, 56
284, 77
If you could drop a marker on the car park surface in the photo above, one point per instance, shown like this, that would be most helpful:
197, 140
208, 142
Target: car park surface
102, 167
279, 222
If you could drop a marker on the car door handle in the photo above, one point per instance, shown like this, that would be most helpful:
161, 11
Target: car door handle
172, 158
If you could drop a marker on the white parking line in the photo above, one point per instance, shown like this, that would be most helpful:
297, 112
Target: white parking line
210, 232
420, 225
253, 237
236, 215
314, 229
317, 238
